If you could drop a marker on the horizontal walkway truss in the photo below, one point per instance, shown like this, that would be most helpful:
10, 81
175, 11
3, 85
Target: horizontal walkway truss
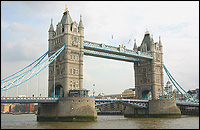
116, 53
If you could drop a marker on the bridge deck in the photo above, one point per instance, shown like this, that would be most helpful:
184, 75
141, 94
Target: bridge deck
54, 100
29, 100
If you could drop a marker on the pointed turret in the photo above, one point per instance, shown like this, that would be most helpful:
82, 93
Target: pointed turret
51, 33
152, 44
160, 43
80, 23
80, 26
51, 29
66, 20
146, 40
135, 46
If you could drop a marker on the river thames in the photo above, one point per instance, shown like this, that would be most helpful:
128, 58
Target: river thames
28, 121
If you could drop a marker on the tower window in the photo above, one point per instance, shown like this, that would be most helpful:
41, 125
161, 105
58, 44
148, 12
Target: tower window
144, 69
58, 71
77, 84
148, 80
140, 81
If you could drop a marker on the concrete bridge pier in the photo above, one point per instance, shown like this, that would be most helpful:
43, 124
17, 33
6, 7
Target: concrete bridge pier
68, 109
157, 108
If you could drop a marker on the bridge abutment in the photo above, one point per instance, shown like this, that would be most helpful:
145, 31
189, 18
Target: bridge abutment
157, 108
68, 109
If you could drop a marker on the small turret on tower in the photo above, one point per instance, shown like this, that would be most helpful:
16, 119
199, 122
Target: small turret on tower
80, 26
80, 22
135, 46
160, 43
51, 29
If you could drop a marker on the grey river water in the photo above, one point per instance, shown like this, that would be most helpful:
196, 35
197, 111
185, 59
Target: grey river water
28, 121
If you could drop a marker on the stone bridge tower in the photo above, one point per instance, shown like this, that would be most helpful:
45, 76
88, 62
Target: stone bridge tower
149, 82
66, 72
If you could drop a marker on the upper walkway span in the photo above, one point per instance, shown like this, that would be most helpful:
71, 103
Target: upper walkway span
117, 53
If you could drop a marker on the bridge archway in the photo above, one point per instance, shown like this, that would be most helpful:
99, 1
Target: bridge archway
59, 91
146, 95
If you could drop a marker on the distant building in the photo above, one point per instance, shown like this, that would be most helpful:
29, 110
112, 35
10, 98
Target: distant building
5, 108
194, 93
169, 87
128, 93
113, 96
110, 96
177, 94
17, 107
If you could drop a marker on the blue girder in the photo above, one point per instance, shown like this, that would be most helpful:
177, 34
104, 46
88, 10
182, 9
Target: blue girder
116, 51
110, 56
190, 98
138, 102
29, 100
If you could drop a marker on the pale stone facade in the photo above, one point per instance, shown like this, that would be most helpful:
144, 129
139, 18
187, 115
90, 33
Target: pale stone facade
128, 94
66, 72
149, 73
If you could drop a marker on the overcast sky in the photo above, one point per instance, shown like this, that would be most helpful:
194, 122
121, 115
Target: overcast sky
24, 38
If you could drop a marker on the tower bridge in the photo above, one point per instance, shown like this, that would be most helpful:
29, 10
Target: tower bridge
67, 99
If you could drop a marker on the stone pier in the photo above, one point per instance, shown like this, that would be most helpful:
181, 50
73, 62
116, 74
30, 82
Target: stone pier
157, 108
68, 109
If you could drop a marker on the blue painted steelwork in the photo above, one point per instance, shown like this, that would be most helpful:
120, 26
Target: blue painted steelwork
139, 105
116, 50
110, 56
191, 104
142, 103
121, 100
173, 96
39, 60
135, 102
40, 66
23, 74
145, 95
29, 100
186, 95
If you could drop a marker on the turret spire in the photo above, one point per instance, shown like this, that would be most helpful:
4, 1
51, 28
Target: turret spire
135, 46
65, 8
147, 32
80, 22
160, 41
51, 26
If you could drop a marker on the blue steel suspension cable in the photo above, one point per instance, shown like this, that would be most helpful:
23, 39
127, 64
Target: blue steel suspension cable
54, 55
51, 58
176, 86
169, 75
26, 67
179, 85
171, 95
23, 74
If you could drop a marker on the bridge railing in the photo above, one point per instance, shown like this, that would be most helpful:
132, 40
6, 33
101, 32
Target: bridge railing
109, 48
28, 99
